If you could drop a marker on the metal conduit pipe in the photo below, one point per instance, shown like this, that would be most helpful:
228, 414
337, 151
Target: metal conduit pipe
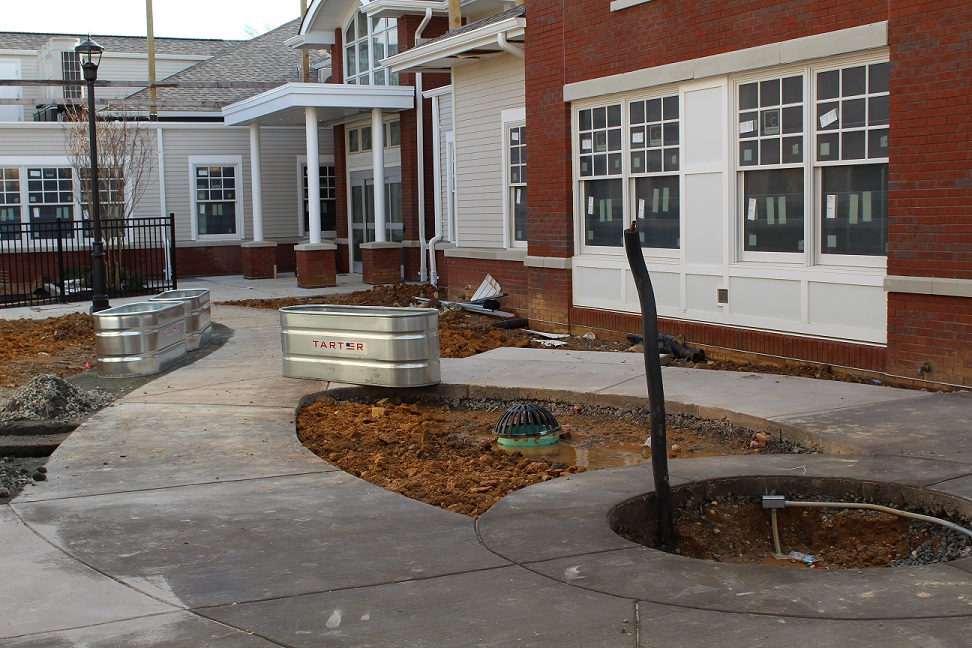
420, 152
883, 509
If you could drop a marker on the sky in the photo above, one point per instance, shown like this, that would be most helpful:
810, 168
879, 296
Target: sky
230, 19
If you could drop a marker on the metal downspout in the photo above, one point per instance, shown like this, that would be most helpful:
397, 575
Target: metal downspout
420, 153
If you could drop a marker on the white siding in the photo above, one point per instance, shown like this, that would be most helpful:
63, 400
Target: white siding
482, 91
10, 69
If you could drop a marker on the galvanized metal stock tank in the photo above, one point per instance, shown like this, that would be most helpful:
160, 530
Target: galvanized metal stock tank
199, 326
361, 345
139, 339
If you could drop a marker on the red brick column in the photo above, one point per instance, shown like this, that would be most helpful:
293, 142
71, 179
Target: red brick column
316, 265
259, 260
343, 254
381, 263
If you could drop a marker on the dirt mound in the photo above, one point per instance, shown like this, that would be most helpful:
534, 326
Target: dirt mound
62, 346
401, 294
51, 398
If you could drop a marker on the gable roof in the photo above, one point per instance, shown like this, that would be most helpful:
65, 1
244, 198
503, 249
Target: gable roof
265, 59
122, 44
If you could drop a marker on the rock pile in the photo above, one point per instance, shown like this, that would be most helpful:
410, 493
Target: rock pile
50, 398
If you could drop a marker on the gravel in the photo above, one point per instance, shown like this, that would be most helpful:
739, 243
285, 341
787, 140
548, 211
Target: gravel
50, 398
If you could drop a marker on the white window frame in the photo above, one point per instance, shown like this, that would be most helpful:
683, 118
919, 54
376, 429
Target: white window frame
811, 255
359, 134
367, 76
235, 161
511, 118
323, 161
22, 163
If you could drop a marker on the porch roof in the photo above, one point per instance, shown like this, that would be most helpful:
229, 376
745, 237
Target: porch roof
335, 102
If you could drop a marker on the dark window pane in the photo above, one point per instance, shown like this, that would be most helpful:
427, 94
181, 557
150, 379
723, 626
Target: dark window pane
877, 143
749, 153
614, 139
828, 85
671, 159
769, 151
748, 96
655, 135
748, 125
519, 200
654, 161
828, 146
654, 110
614, 115
670, 107
828, 116
769, 93
855, 210
600, 165
637, 110
878, 110
638, 137
853, 81
880, 78
793, 90
769, 122
852, 114
773, 211
793, 119
638, 162
657, 210
671, 133
614, 163
600, 117
792, 150
603, 212
852, 146
586, 122
586, 165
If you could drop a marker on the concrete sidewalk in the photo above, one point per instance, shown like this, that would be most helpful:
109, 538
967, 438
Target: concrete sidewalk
188, 514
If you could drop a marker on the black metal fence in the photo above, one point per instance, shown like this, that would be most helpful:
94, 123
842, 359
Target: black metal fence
50, 262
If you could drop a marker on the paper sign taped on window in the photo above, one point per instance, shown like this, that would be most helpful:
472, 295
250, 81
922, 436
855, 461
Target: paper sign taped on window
828, 118
587, 144
514, 136
641, 208
518, 197
747, 127
751, 210
637, 138
590, 205
831, 205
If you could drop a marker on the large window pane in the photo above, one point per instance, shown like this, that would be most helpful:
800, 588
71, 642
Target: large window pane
657, 209
854, 200
604, 212
773, 211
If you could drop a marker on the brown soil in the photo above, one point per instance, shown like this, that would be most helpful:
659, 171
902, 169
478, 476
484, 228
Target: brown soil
738, 530
62, 346
445, 455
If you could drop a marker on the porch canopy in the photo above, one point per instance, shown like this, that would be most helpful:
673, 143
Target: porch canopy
313, 104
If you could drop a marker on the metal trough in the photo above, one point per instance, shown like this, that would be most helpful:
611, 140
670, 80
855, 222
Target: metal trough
199, 325
139, 339
361, 345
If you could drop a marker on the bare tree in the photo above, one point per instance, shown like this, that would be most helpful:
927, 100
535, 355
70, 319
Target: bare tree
126, 161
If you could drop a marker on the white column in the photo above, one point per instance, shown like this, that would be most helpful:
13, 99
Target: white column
378, 162
256, 182
313, 176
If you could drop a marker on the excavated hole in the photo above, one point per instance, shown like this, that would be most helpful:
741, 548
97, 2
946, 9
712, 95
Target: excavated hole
723, 520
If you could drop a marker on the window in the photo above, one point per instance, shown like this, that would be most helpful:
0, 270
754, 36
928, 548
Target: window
600, 170
217, 199
366, 42
50, 197
653, 129
9, 204
771, 161
71, 71
852, 116
359, 139
517, 182
328, 202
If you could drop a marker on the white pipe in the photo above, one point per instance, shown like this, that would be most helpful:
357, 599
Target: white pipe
161, 148
437, 194
256, 180
420, 152
507, 47
883, 509
378, 162
313, 176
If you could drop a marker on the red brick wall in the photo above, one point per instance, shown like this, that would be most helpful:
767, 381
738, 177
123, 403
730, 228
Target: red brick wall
465, 275
206, 261
932, 329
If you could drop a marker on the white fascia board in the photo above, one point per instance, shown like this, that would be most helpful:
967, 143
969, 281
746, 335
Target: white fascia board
399, 8
311, 40
842, 41
451, 46
318, 95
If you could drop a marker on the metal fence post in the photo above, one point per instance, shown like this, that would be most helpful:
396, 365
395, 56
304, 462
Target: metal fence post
172, 251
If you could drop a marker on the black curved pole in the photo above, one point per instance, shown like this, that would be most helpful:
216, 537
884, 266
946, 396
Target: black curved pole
656, 392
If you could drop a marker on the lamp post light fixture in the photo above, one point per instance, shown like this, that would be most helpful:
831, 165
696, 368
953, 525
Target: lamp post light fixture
89, 53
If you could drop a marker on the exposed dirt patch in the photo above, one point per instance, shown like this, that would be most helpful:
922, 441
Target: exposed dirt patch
62, 346
738, 530
444, 455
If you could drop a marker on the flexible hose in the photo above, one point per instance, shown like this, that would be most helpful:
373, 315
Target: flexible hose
875, 507
776, 533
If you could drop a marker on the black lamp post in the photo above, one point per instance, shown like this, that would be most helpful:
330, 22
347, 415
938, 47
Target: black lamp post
89, 52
